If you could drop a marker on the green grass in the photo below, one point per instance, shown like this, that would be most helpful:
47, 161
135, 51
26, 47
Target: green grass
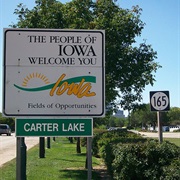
176, 141
61, 162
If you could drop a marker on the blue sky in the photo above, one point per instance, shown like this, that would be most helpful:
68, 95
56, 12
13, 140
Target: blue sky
162, 31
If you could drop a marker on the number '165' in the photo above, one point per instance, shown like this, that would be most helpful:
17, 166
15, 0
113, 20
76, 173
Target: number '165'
160, 101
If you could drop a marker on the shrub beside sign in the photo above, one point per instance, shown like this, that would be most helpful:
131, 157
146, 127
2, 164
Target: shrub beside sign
53, 72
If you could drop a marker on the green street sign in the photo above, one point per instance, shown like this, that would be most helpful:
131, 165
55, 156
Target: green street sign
54, 127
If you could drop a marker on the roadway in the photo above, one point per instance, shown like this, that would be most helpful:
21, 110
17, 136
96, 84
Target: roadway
164, 134
155, 134
8, 147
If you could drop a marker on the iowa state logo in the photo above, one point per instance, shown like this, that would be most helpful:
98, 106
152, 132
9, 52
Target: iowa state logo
79, 86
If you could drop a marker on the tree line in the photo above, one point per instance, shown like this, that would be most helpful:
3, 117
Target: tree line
143, 117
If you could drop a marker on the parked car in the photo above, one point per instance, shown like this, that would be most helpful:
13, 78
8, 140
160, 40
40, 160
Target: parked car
5, 129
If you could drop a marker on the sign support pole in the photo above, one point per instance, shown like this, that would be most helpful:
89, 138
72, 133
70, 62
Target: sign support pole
89, 153
20, 159
48, 142
41, 147
160, 136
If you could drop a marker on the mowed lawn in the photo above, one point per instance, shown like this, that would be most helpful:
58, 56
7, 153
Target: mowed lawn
61, 162
176, 141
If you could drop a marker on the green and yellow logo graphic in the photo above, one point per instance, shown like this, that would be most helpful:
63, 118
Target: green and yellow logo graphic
79, 86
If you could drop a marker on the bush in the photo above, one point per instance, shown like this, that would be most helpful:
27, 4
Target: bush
172, 172
177, 130
149, 160
95, 132
129, 156
125, 164
116, 136
103, 144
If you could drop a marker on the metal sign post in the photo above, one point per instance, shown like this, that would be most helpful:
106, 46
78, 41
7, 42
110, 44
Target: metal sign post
89, 155
160, 135
48, 142
21, 159
41, 147
159, 101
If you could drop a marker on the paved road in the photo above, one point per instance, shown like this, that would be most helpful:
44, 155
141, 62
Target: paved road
165, 134
8, 147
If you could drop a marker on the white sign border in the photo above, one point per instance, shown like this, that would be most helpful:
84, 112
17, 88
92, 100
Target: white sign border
102, 114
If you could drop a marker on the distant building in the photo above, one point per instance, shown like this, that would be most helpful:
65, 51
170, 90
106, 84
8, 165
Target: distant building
165, 128
174, 128
119, 114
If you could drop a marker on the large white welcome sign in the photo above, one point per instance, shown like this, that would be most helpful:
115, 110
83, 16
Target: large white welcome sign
50, 72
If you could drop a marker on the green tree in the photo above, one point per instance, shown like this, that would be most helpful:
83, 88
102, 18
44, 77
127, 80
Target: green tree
142, 117
129, 66
7, 120
174, 116
111, 122
121, 122
117, 122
